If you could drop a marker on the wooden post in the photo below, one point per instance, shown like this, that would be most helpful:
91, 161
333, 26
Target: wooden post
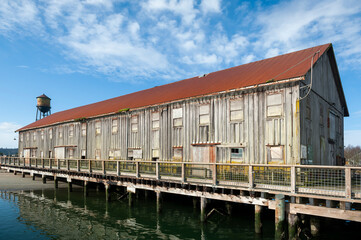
280, 217
257, 219
15, 172
55, 182
23, 174
137, 169
42, 163
293, 179
70, 186
86, 188
292, 223
44, 179
118, 169
78, 165
195, 202
315, 226
183, 172
130, 198
348, 182
203, 208
214, 174
33, 177
159, 202
107, 192
250, 176
89, 166
103, 167
157, 170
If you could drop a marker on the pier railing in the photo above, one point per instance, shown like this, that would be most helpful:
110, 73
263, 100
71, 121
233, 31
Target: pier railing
333, 181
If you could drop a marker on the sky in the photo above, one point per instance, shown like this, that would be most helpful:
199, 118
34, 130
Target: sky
83, 51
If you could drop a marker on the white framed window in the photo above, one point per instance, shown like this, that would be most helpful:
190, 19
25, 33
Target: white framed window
83, 129
236, 110
204, 116
34, 136
114, 125
50, 133
155, 120
134, 123
71, 130
274, 105
177, 115
97, 128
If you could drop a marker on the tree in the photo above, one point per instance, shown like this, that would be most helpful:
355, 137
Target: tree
353, 155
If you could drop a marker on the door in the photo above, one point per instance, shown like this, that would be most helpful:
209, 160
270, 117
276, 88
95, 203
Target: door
27, 156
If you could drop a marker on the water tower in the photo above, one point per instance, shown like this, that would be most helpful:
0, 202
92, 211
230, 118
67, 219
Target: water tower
42, 107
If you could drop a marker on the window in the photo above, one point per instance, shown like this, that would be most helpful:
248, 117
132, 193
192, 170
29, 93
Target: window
155, 120
134, 123
97, 127
177, 115
71, 130
33, 153
60, 132
274, 105
236, 110
41, 154
332, 125
204, 118
177, 154
42, 134
27, 136
275, 154
97, 154
21, 137
83, 154
83, 129
117, 154
34, 136
130, 154
50, 133
114, 125
111, 154
71, 153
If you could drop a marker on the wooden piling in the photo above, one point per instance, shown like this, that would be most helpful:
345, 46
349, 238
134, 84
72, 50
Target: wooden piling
292, 223
203, 201
70, 187
107, 192
280, 217
195, 202
229, 208
33, 177
257, 219
159, 202
23, 174
56, 182
130, 199
315, 226
86, 188
43, 177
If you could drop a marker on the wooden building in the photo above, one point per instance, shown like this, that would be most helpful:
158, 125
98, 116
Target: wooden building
287, 109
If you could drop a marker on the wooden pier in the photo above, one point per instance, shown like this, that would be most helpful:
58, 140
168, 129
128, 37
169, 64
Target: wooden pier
290, 190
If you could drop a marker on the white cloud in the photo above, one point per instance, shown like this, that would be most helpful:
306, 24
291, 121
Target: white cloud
211, 6
7, 134
353, 137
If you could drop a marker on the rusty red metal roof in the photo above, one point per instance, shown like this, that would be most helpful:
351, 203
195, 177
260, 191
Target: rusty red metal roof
287, 66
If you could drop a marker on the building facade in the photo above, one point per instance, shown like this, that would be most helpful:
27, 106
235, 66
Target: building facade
275, 111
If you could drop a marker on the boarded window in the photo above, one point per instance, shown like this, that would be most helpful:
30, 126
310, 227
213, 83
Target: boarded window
60, 132
71, 153
50, 133
275, 154
204, 117
274, 105
34, 136
71, 130
114, 126
83, 129
155, 120
137, 154
27, 136
177, 115
21, 137
117, 154
42, 134
97, 127
236, 110
97, 154
134, 123
155, 153
177, 154
332, 126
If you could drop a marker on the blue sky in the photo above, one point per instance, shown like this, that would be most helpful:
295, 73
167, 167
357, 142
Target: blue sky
80, 52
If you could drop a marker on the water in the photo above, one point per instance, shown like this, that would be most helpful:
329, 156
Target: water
49, 214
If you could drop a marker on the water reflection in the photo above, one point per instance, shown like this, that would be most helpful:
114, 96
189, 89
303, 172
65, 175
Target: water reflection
62, 216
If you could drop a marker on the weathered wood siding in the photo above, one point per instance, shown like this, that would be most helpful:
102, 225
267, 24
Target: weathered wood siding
198, 133
315, 111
